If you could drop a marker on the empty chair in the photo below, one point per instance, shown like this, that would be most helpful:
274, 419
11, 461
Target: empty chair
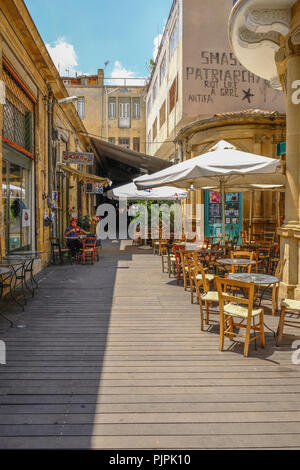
245, 255
290, 305
233, 306
88, 250
208, 296
57, 252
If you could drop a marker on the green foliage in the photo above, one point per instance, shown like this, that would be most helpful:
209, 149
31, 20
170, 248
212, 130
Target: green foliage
84, 222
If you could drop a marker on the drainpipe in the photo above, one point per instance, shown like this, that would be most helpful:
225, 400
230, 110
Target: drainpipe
50, 143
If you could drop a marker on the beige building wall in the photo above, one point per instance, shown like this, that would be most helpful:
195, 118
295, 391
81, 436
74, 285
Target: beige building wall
31, 77
96, 117
211, 80
255, 132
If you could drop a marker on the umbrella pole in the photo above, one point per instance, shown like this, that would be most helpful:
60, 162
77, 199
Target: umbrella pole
222, 191
251, 215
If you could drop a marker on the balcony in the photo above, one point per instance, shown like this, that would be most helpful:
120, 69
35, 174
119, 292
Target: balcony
254, 30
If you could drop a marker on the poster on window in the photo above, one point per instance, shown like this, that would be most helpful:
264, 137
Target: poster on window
26, 218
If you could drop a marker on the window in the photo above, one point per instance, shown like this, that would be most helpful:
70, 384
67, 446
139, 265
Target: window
162, 114
154, 129
124, 112
18, 114
154, 92
112, 108
112, 140
174, 38
149, 104
136, 108
163, 67
173, 94
149, 139
80, 107
124, 142
136, 144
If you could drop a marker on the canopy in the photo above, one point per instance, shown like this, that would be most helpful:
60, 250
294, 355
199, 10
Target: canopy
224, 164
130, 191
85, 176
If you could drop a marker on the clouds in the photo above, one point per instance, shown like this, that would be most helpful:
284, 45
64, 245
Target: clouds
156, 43
119, 73
64, 57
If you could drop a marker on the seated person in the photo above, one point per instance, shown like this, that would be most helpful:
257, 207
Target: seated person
73, 241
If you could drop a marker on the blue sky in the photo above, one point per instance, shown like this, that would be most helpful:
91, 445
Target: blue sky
82, 35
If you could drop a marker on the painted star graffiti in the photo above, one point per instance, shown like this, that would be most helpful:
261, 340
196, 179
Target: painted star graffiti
248, 95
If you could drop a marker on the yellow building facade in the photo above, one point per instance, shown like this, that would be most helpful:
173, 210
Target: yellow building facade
37, 196
115, 113
253, 131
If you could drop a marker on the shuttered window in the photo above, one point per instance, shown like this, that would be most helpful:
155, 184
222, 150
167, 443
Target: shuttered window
173, 94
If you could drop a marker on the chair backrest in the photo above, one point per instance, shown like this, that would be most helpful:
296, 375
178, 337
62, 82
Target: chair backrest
163, 247
244, 236
196, 270
228, 290
54, 241
89, 242
279, 269
242, 254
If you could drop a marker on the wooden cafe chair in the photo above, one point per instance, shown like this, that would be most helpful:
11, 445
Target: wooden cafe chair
234, 306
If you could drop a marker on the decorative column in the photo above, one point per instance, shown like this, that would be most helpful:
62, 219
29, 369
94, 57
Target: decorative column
288, 64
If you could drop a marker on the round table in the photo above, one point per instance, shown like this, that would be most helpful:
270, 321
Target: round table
236, 261
258, 279
30, 256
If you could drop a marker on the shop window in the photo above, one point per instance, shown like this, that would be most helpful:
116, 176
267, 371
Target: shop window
16, 202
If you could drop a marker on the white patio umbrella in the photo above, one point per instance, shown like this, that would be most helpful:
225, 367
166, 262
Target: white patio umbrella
223, 166
130, 191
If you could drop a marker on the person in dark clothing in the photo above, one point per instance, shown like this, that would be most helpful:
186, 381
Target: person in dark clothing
72, 233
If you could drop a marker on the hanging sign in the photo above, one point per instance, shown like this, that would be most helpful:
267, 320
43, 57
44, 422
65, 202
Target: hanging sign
94, 188
80, 158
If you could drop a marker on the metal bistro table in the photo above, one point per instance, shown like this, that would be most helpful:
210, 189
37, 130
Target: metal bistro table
259, 280
29, 256
235, 261
17, 271
4, 271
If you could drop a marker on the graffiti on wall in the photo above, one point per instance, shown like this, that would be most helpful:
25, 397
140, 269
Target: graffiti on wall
218, 75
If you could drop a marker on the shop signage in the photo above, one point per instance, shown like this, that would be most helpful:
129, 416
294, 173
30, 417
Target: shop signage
94, 188
80, 158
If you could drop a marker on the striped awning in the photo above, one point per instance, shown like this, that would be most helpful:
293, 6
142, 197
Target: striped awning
84, 176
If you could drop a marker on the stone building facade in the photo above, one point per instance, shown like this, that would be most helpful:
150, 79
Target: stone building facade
113, 112
197, 75
35, 128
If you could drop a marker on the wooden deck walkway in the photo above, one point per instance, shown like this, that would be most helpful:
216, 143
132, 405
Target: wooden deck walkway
111, 356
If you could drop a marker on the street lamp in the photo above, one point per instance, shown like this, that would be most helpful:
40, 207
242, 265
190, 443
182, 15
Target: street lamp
69, 99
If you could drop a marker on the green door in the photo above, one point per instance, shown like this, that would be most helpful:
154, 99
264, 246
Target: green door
213, 214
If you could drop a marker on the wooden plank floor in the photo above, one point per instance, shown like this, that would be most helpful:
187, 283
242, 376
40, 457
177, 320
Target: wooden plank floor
111, 356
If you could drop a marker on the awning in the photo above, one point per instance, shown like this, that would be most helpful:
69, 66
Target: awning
137, 160
85, 176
